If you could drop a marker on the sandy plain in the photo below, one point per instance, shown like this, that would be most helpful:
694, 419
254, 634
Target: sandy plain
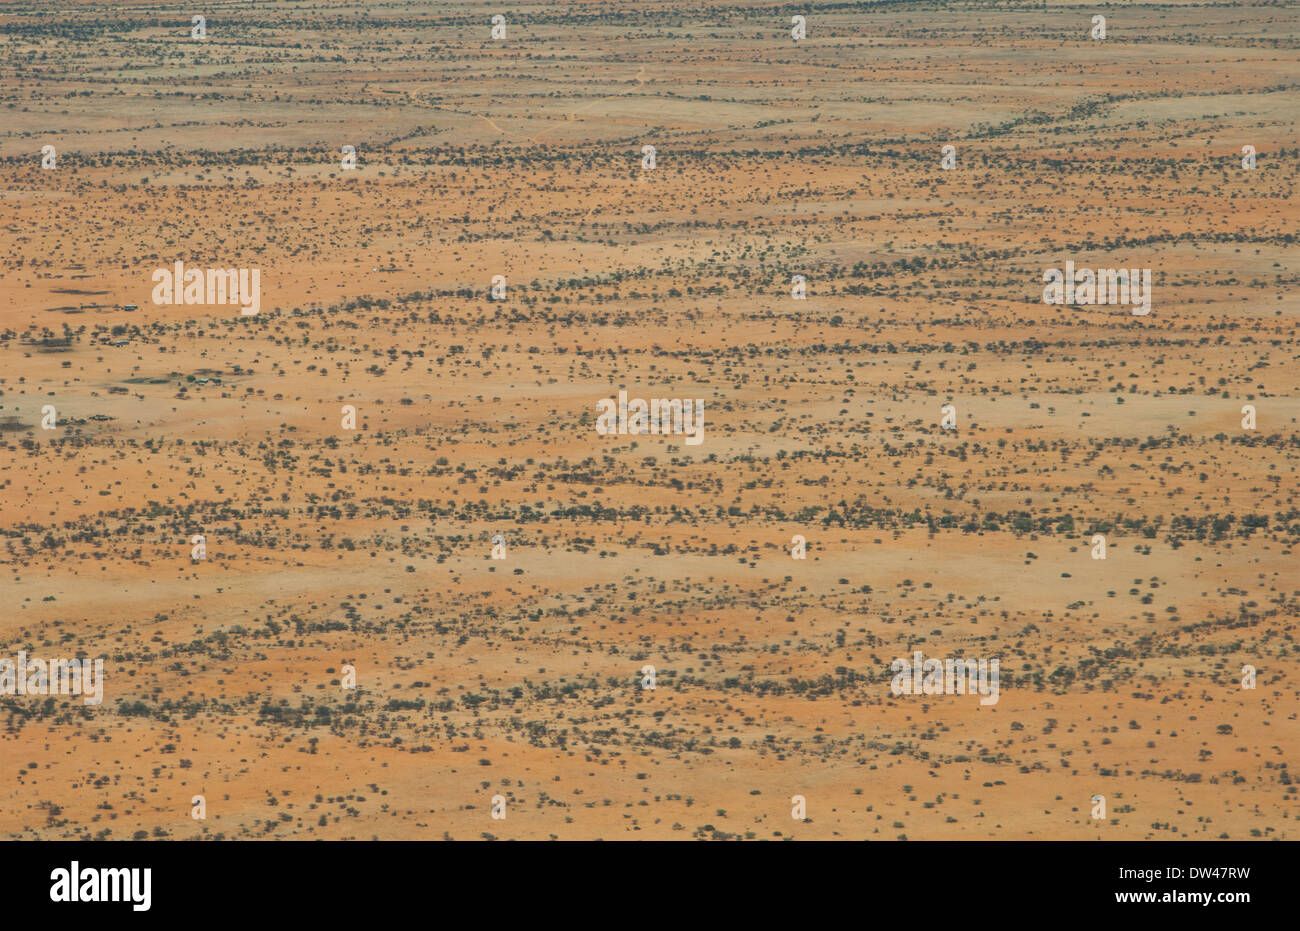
521, 677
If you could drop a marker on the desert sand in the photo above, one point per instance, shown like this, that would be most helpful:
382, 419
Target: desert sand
521, 677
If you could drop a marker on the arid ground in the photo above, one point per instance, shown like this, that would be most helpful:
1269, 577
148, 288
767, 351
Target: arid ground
475, 417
